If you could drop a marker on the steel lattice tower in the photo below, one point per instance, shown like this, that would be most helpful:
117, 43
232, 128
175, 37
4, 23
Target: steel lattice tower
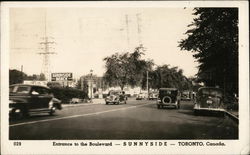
46, 70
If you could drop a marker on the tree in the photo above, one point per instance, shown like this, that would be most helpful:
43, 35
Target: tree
16, 76
126, 68
213, 38
168, 77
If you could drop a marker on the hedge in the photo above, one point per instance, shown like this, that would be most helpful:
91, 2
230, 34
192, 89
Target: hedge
66, 94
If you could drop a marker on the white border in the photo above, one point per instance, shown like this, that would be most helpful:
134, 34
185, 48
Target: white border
240, 146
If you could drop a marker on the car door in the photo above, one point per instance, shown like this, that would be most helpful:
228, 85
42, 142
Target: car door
39, 98
46, 96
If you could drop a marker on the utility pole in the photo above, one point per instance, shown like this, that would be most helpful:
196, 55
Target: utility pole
91, 85
147, 86
22, 72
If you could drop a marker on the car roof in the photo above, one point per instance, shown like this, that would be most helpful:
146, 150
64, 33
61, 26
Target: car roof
211, 88
168, 89
30, 85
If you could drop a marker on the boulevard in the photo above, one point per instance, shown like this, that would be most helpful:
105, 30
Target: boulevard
138, 119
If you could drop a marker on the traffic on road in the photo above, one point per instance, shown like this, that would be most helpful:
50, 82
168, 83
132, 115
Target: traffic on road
138, 119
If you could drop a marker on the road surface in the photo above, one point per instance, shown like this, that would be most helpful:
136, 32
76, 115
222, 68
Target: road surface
134, 120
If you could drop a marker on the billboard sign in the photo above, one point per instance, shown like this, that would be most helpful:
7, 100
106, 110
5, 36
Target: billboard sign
61, 76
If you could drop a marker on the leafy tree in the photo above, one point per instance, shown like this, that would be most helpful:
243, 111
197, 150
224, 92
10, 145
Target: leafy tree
213, 38
168, 77
16, 76
126, 68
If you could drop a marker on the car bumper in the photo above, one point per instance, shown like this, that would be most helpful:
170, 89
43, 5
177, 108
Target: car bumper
167, 104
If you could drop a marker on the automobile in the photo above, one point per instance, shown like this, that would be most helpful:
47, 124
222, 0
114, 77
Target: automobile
75, 100
186, 95
208, 99
153, 96
116, 97
169, 97
25, 99
141, 96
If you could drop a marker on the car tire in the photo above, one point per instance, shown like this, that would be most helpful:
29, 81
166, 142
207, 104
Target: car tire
52, 112
107, 103
20, 115
196, 112
158, 106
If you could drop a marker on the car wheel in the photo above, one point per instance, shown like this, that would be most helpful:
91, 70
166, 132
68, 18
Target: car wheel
158, 106
20, 115
52, 111
196, 112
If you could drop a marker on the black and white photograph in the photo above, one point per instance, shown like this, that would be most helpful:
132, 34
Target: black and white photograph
138, 76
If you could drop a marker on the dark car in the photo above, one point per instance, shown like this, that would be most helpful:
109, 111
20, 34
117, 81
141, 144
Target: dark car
116, 97
168, 97
209, 99
30, 99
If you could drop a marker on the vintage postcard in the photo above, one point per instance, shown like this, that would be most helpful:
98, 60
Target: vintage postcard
125, 77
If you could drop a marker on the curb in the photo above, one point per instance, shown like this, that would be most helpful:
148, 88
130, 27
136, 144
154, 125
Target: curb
232, 116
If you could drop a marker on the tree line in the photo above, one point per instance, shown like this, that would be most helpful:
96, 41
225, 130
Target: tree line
131, 69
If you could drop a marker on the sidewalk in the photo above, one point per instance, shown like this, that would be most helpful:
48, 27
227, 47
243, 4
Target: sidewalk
94, 101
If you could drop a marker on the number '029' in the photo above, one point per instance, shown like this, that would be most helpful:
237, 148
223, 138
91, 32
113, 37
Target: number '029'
17, 143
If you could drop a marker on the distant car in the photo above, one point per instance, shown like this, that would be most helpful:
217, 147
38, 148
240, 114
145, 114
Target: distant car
141, 96
186, 95
168, 97
116, 97
153, 96
208, 99
27, 99
75, 100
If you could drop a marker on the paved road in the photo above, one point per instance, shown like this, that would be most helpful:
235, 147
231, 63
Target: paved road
134, 120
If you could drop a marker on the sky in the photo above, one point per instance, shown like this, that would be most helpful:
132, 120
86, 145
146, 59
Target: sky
84, 36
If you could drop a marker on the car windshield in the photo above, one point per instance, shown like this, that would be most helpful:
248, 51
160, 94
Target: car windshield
19, 89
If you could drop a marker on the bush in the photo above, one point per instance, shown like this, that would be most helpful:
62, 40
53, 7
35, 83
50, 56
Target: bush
66, 94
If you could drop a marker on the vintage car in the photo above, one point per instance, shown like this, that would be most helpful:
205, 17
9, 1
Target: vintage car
141, 96
116, 97
75, 100
208, 99
186, 95
27, 99
168, 97
153, 95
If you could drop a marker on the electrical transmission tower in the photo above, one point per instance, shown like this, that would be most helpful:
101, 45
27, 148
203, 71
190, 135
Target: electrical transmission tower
138, 17
46, 68
127, 30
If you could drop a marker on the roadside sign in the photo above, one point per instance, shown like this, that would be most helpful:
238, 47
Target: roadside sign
61, 76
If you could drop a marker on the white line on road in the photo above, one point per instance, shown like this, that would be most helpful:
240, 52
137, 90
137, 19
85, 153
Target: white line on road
74, 116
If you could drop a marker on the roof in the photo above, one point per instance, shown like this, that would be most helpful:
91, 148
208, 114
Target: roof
20, 84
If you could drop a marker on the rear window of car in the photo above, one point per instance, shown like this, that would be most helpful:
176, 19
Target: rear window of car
168, 92
212, 92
